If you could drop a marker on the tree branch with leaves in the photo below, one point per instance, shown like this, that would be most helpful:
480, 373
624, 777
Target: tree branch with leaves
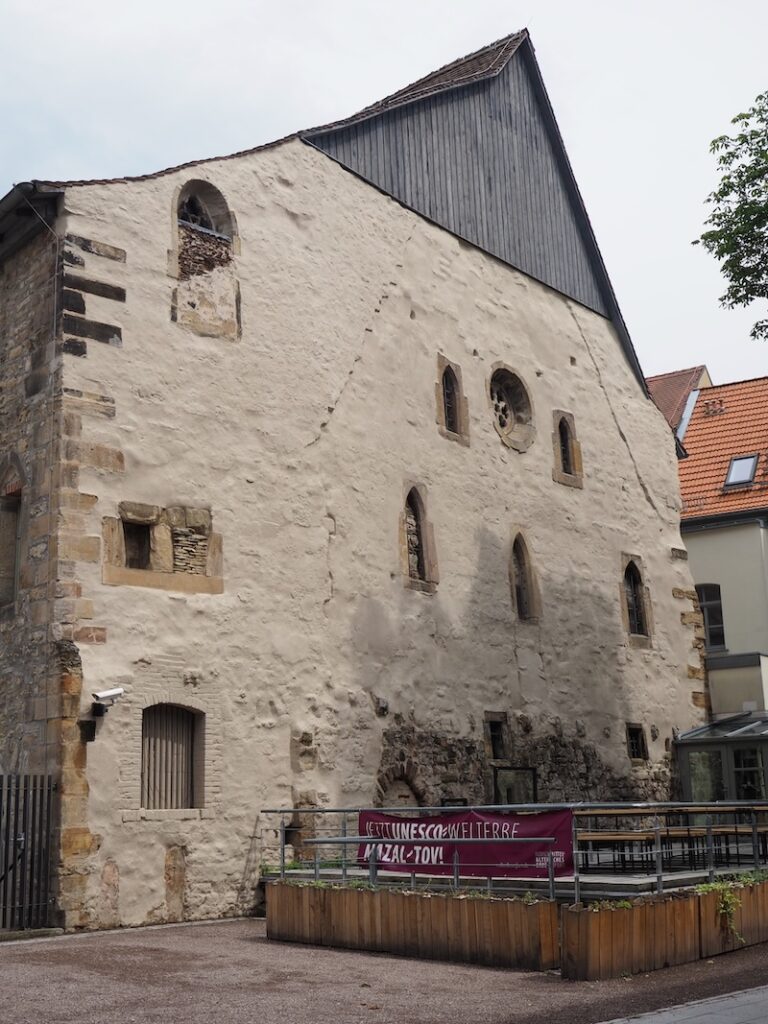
737, 234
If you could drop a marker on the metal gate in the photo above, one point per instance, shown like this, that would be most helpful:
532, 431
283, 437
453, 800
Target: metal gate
26, 804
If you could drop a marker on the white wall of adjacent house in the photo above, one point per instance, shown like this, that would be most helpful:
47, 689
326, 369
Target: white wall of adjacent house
736, 558
316, 671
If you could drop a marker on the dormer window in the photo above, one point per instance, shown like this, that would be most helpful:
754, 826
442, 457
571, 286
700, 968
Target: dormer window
741, 471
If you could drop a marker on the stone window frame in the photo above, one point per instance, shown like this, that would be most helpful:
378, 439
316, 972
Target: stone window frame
130, 714
641, 641
576, 477
216, 200
13, 486
534, 596
519, 436
429, 584
161, 574
462, 405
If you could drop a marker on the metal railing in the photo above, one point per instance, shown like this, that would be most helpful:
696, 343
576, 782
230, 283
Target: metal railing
618, 848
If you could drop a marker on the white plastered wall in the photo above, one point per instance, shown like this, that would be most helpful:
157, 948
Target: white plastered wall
302, 437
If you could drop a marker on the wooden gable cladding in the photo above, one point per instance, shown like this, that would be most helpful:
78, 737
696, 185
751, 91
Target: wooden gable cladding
486, 161
479, 160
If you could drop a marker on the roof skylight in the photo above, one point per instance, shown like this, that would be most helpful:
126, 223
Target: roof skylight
741, 470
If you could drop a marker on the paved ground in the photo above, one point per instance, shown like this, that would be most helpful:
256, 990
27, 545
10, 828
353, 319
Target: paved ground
750, 1007
228, 973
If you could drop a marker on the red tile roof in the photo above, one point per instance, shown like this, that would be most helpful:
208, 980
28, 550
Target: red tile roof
727, 421
670, 391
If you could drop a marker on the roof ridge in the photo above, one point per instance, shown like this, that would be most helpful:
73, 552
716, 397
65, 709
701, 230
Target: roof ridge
675, 373
507, 46
420, 88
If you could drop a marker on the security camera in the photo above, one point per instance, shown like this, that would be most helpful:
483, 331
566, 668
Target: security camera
104, 699
108, 696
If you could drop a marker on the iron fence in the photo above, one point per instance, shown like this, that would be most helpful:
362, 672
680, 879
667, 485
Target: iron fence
26, 814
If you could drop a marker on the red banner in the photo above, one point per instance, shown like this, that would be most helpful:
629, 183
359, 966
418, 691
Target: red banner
428, 845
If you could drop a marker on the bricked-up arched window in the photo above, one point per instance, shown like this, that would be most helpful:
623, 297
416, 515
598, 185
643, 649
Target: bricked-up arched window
566, 452
414, 537
171, 763
202, 206
521, 580
451, 399
635, 601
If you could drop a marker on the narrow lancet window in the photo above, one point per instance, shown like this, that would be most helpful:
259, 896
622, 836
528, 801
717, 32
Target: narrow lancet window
566, 456
414, 538
451, 400
633, 593
521, 580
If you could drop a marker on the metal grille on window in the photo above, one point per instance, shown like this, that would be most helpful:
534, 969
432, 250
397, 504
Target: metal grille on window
167, 757
416, 565
633, 591
636, 744
451, 400
521, 580
566, 462
712, 610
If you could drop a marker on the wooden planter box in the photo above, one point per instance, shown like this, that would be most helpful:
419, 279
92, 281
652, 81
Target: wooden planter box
495, 932
599, 944
749, 926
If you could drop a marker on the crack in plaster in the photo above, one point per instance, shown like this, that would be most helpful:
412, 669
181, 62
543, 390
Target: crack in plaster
367, 331
622, 435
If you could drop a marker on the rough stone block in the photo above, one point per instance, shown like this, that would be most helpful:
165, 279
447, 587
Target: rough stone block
80, 549
161, 548
90, 635
136, 512
199, 519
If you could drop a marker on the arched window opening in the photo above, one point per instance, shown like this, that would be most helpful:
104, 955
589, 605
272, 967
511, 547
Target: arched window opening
202, 207
451, 400
169, 738
512, 409
414, 535
711, 605
566, 453
521, 580
193, 214
633, 593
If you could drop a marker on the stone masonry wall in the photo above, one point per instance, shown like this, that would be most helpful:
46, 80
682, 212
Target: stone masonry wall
29, 417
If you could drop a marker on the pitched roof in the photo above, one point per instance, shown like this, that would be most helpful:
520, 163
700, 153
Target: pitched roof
474, 67
727, 421
670, 391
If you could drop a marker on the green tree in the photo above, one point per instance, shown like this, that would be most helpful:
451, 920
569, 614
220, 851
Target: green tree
737, 232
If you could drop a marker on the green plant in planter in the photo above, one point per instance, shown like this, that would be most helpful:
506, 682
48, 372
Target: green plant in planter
610, 905
728, 903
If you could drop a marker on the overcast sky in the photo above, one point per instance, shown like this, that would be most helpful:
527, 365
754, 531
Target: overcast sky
96, 88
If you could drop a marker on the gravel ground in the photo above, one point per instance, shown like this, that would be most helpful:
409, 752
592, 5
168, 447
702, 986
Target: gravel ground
228, 973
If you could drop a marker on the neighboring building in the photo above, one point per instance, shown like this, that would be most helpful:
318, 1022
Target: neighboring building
724, 485
674, 393
335, 457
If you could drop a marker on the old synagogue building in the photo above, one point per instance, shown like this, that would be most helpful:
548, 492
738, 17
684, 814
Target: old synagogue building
328, 475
